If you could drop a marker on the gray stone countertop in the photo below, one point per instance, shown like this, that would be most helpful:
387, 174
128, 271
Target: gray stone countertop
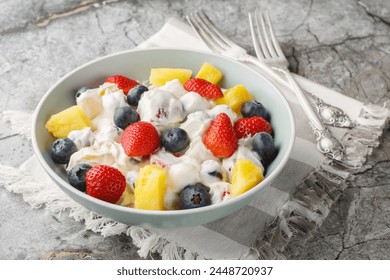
344, 45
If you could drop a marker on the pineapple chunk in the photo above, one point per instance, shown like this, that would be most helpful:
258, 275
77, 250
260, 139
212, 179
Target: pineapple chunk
72, 118
235, 97
150, 188
159, 76
245, 175
209, 73
127, 198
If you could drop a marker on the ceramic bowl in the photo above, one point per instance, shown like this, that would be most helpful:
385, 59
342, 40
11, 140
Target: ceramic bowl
137, 64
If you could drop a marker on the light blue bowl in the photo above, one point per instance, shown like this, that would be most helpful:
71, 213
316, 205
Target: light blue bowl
137, 64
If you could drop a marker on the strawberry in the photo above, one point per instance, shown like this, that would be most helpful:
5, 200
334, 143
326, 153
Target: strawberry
105, 182
140, 139
220, 137
122, 82
203, 88
250, 126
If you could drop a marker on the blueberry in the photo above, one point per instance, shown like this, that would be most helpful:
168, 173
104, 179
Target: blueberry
175, 140
194, 196
81, 90
263, 145
76, 176
125, 116
134, 95
254, 108
62, 149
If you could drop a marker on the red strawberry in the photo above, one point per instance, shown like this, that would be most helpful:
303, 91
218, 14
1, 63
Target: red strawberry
105, 182
250, 126
122, 82
140, 139
219, 137
203, 88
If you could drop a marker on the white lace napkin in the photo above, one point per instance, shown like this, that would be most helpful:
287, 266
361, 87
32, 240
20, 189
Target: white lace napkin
283, 214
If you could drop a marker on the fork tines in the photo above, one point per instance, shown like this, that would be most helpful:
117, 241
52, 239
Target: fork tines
208, 32
264, 41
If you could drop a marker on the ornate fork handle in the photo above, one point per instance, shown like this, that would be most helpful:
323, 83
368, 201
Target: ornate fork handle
329, 114
326, 143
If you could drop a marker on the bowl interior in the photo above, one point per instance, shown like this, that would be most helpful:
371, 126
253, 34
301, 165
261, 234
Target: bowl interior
137, 64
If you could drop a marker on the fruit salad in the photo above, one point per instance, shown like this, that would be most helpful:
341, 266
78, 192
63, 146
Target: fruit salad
178, 142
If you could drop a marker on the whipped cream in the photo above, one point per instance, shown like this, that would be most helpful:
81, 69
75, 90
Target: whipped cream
175, 87
108, 133
112, 100
106, 97
196, 124
198, 151
211, 171
106, 153
219, 192
163, 158
160, 107
243, 152
222, 108
82, 138
91, 102
193, 102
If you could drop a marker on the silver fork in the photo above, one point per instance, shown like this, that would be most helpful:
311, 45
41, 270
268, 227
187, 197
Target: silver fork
269, 52
219, 43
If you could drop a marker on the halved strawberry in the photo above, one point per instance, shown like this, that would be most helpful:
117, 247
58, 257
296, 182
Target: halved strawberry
140, 139
250, 126
122, 82
203, 88
220, 137
105, 182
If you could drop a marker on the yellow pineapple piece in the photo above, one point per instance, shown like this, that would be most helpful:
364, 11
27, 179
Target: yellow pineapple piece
245, 175
235, 97
150, 188
72, 118
159, 76
127, 198
209, 73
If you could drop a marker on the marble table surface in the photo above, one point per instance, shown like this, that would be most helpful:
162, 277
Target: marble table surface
344, 45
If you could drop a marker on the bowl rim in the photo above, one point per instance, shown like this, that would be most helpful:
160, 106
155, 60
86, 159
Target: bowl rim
115, 207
